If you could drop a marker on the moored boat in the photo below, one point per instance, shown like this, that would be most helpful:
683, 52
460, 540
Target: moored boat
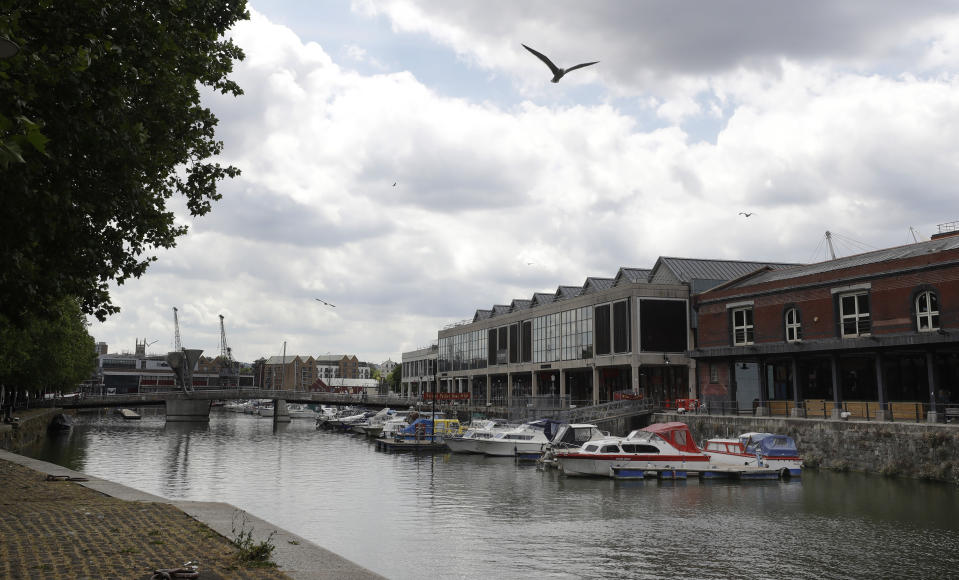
759, 450
658, 447
526, 440
477, 430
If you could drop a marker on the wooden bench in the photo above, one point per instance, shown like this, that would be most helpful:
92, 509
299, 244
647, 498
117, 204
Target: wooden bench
907, 411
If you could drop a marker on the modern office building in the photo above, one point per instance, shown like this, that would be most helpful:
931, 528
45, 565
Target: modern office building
626, 336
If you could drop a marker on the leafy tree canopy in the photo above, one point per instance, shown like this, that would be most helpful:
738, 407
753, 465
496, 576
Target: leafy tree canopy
100, 125
47, 354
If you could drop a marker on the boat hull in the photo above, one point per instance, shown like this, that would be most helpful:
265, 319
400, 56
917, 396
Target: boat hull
591, 465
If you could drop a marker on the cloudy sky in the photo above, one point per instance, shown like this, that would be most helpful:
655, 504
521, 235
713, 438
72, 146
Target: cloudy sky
815, 116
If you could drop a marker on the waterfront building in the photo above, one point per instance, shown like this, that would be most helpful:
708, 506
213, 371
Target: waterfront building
626, 336
418, 374
874, 335
291, 373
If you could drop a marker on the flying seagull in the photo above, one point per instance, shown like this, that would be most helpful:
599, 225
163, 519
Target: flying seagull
746, 214
557, 72
394, 184
325, 302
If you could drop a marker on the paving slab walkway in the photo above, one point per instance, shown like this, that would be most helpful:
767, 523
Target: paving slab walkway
59, 528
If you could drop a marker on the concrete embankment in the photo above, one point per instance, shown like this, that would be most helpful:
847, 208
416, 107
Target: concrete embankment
94, 528
912, 450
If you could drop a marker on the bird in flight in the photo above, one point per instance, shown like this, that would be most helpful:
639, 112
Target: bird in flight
394, 184
325, 302
746, 214
557, 72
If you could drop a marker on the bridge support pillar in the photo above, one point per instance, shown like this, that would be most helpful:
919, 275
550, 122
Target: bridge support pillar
187, 410
280, 413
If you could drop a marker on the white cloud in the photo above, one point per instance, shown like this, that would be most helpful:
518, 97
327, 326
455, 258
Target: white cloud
806, 141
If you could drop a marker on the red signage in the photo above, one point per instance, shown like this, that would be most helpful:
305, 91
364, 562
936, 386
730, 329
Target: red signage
428, 396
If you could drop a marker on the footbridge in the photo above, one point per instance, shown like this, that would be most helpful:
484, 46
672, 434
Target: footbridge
195, 405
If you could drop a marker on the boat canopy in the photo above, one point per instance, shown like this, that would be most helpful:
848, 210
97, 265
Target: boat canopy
421, 425
549, 426
676, 434
770, 445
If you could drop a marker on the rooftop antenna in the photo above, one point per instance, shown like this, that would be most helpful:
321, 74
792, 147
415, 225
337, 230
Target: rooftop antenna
176, 331
832, 252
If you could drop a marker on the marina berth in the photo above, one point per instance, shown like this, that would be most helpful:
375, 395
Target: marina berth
570, 436
769, 451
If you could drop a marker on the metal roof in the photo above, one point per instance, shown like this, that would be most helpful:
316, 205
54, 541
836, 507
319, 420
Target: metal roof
686, 270
565, 292
500, 309
632, 275
482, 315
542, 298
874, 257
597, 284
520, 304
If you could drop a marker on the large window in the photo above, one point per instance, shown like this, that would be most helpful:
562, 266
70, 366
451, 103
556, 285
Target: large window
621, 326
854, 314
793, 326
927, 311
602, 329
742, 326
566, 335
662, 325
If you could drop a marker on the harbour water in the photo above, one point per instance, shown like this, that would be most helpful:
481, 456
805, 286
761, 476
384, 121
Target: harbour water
454, 516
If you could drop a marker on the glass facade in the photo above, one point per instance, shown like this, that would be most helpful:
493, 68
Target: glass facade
462, 352
566, 335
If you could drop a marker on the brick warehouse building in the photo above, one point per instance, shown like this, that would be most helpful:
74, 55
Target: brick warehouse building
882, 326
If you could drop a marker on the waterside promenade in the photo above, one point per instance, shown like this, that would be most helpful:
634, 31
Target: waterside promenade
97, 529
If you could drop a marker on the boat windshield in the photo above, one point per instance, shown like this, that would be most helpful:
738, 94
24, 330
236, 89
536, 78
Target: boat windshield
640, 435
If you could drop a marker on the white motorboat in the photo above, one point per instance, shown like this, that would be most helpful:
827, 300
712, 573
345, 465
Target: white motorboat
373, 425
478, 430
757, 450
662, 446
300, 411
527, 439
571, 436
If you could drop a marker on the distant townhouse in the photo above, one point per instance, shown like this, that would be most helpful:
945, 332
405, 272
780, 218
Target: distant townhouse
872, 335
295, 373
626, 336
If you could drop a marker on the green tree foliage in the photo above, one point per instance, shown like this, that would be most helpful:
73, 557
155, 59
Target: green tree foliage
100, 125
47, 354
395, 377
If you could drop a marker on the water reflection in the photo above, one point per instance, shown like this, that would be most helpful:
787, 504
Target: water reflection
403, 514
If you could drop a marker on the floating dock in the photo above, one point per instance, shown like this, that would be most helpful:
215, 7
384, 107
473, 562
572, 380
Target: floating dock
128, 414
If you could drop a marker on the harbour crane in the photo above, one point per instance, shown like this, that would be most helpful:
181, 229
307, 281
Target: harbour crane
176, 331
228, 369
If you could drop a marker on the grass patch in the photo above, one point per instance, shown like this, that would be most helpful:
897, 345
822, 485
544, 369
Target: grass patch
249, 551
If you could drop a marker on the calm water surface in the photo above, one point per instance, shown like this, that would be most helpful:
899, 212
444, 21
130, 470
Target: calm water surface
455, 516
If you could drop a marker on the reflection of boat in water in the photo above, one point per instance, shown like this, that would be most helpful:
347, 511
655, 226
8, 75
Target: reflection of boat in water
300, 411
61, 422
128, 414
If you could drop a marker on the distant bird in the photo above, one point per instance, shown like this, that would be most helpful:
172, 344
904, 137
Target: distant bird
394, 184
558, 73
746, 214
325, 302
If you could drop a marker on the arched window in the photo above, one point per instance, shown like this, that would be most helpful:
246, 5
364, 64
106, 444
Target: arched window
793, 326
927, 311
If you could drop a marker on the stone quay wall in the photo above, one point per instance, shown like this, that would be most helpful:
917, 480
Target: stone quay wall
909, 450
31, 427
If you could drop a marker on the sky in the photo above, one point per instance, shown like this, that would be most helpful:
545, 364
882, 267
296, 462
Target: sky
409, 162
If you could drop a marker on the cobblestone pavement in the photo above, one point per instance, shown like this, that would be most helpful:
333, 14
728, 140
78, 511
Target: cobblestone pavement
62, 530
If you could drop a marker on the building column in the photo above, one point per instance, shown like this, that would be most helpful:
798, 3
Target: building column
763, 409
883, 413
634, 377
797, 410
595, 385
733, 386
534, 383
834, 367
562, 386
933, 415
509, 389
